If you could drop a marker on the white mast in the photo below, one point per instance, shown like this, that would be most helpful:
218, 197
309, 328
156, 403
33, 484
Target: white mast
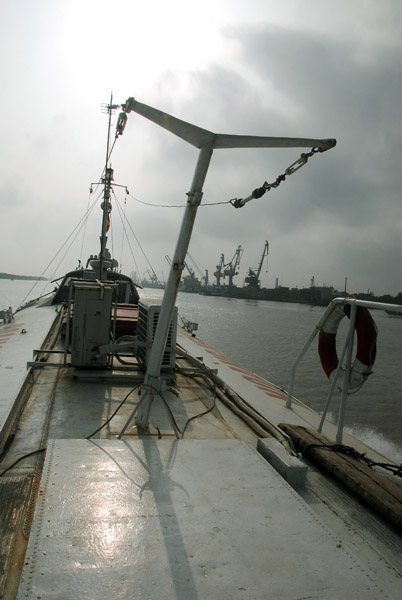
206, 141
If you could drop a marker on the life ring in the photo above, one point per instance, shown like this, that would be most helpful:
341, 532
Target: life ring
366, 331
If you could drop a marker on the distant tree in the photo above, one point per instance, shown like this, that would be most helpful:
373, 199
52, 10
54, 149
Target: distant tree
387, 299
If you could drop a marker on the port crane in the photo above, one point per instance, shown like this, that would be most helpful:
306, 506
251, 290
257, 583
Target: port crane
252, 277
203, 278
230, 269
190, 283
219, 270
153, 278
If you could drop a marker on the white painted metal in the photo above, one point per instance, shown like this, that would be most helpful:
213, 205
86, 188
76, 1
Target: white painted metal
346, 376
268, 399
199, 137
348, 347
91, 322
293, 470
181, 519
206, 141
152, 377
148, 317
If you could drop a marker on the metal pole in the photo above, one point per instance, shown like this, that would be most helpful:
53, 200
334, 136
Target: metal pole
152, 380
68, 321
106, 193
335, 379
346, 378
307, 345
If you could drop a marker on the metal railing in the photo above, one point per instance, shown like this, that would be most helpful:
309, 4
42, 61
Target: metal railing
347, 350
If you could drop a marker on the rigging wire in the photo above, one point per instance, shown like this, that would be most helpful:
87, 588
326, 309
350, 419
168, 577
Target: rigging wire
75, 237
124, 230
111, 150
111, 229
138, 242
176, 205
78, 226
85, 227
83, 219
122, 237
72, 241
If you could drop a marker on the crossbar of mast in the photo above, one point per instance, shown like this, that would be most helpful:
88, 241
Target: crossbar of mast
199, 137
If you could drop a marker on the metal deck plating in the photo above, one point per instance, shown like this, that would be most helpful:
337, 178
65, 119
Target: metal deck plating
179, 519
26, 331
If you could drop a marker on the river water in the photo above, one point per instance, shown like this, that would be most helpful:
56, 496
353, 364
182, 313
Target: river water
266, 338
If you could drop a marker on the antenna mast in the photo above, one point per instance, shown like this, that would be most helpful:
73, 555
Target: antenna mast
106, 205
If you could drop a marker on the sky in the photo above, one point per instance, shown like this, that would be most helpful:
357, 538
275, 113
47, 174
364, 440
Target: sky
308, 68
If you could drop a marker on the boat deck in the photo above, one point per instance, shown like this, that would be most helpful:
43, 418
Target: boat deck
179, 519
189, 509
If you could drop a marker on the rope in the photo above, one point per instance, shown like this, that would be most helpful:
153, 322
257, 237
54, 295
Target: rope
350, 451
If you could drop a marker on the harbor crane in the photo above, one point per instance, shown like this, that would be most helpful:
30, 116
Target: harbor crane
230, 269
219, 270
252, 277
203, 278
153, 278
189, 283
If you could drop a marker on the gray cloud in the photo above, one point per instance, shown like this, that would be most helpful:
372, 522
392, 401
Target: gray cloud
332, 71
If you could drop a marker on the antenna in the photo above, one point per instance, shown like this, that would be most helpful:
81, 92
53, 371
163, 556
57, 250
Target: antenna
107, 181
109, 109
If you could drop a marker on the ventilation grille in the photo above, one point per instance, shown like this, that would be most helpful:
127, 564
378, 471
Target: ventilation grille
148, 317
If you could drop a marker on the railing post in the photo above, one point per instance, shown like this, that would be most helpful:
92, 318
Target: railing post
348, 347
306, 346
346, 377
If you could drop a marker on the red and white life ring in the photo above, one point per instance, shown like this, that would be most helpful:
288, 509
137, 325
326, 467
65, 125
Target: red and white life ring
366, 331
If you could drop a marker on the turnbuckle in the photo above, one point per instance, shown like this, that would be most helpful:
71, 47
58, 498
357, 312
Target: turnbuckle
300, 162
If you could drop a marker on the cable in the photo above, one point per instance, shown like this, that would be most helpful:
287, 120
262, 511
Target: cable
114, 413
85, 227
22, 458
177, 205
122, 237
124, 229
210, 409
239, 405
137, 240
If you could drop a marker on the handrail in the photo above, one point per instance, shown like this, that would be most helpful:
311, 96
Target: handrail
347, 349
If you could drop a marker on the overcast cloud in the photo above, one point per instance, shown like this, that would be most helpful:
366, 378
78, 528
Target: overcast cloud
317, 68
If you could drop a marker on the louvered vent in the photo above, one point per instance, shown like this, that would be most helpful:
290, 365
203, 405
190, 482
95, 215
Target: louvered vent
148, 316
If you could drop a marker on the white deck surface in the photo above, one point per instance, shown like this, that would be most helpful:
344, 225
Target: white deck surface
16, 350
182, 519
